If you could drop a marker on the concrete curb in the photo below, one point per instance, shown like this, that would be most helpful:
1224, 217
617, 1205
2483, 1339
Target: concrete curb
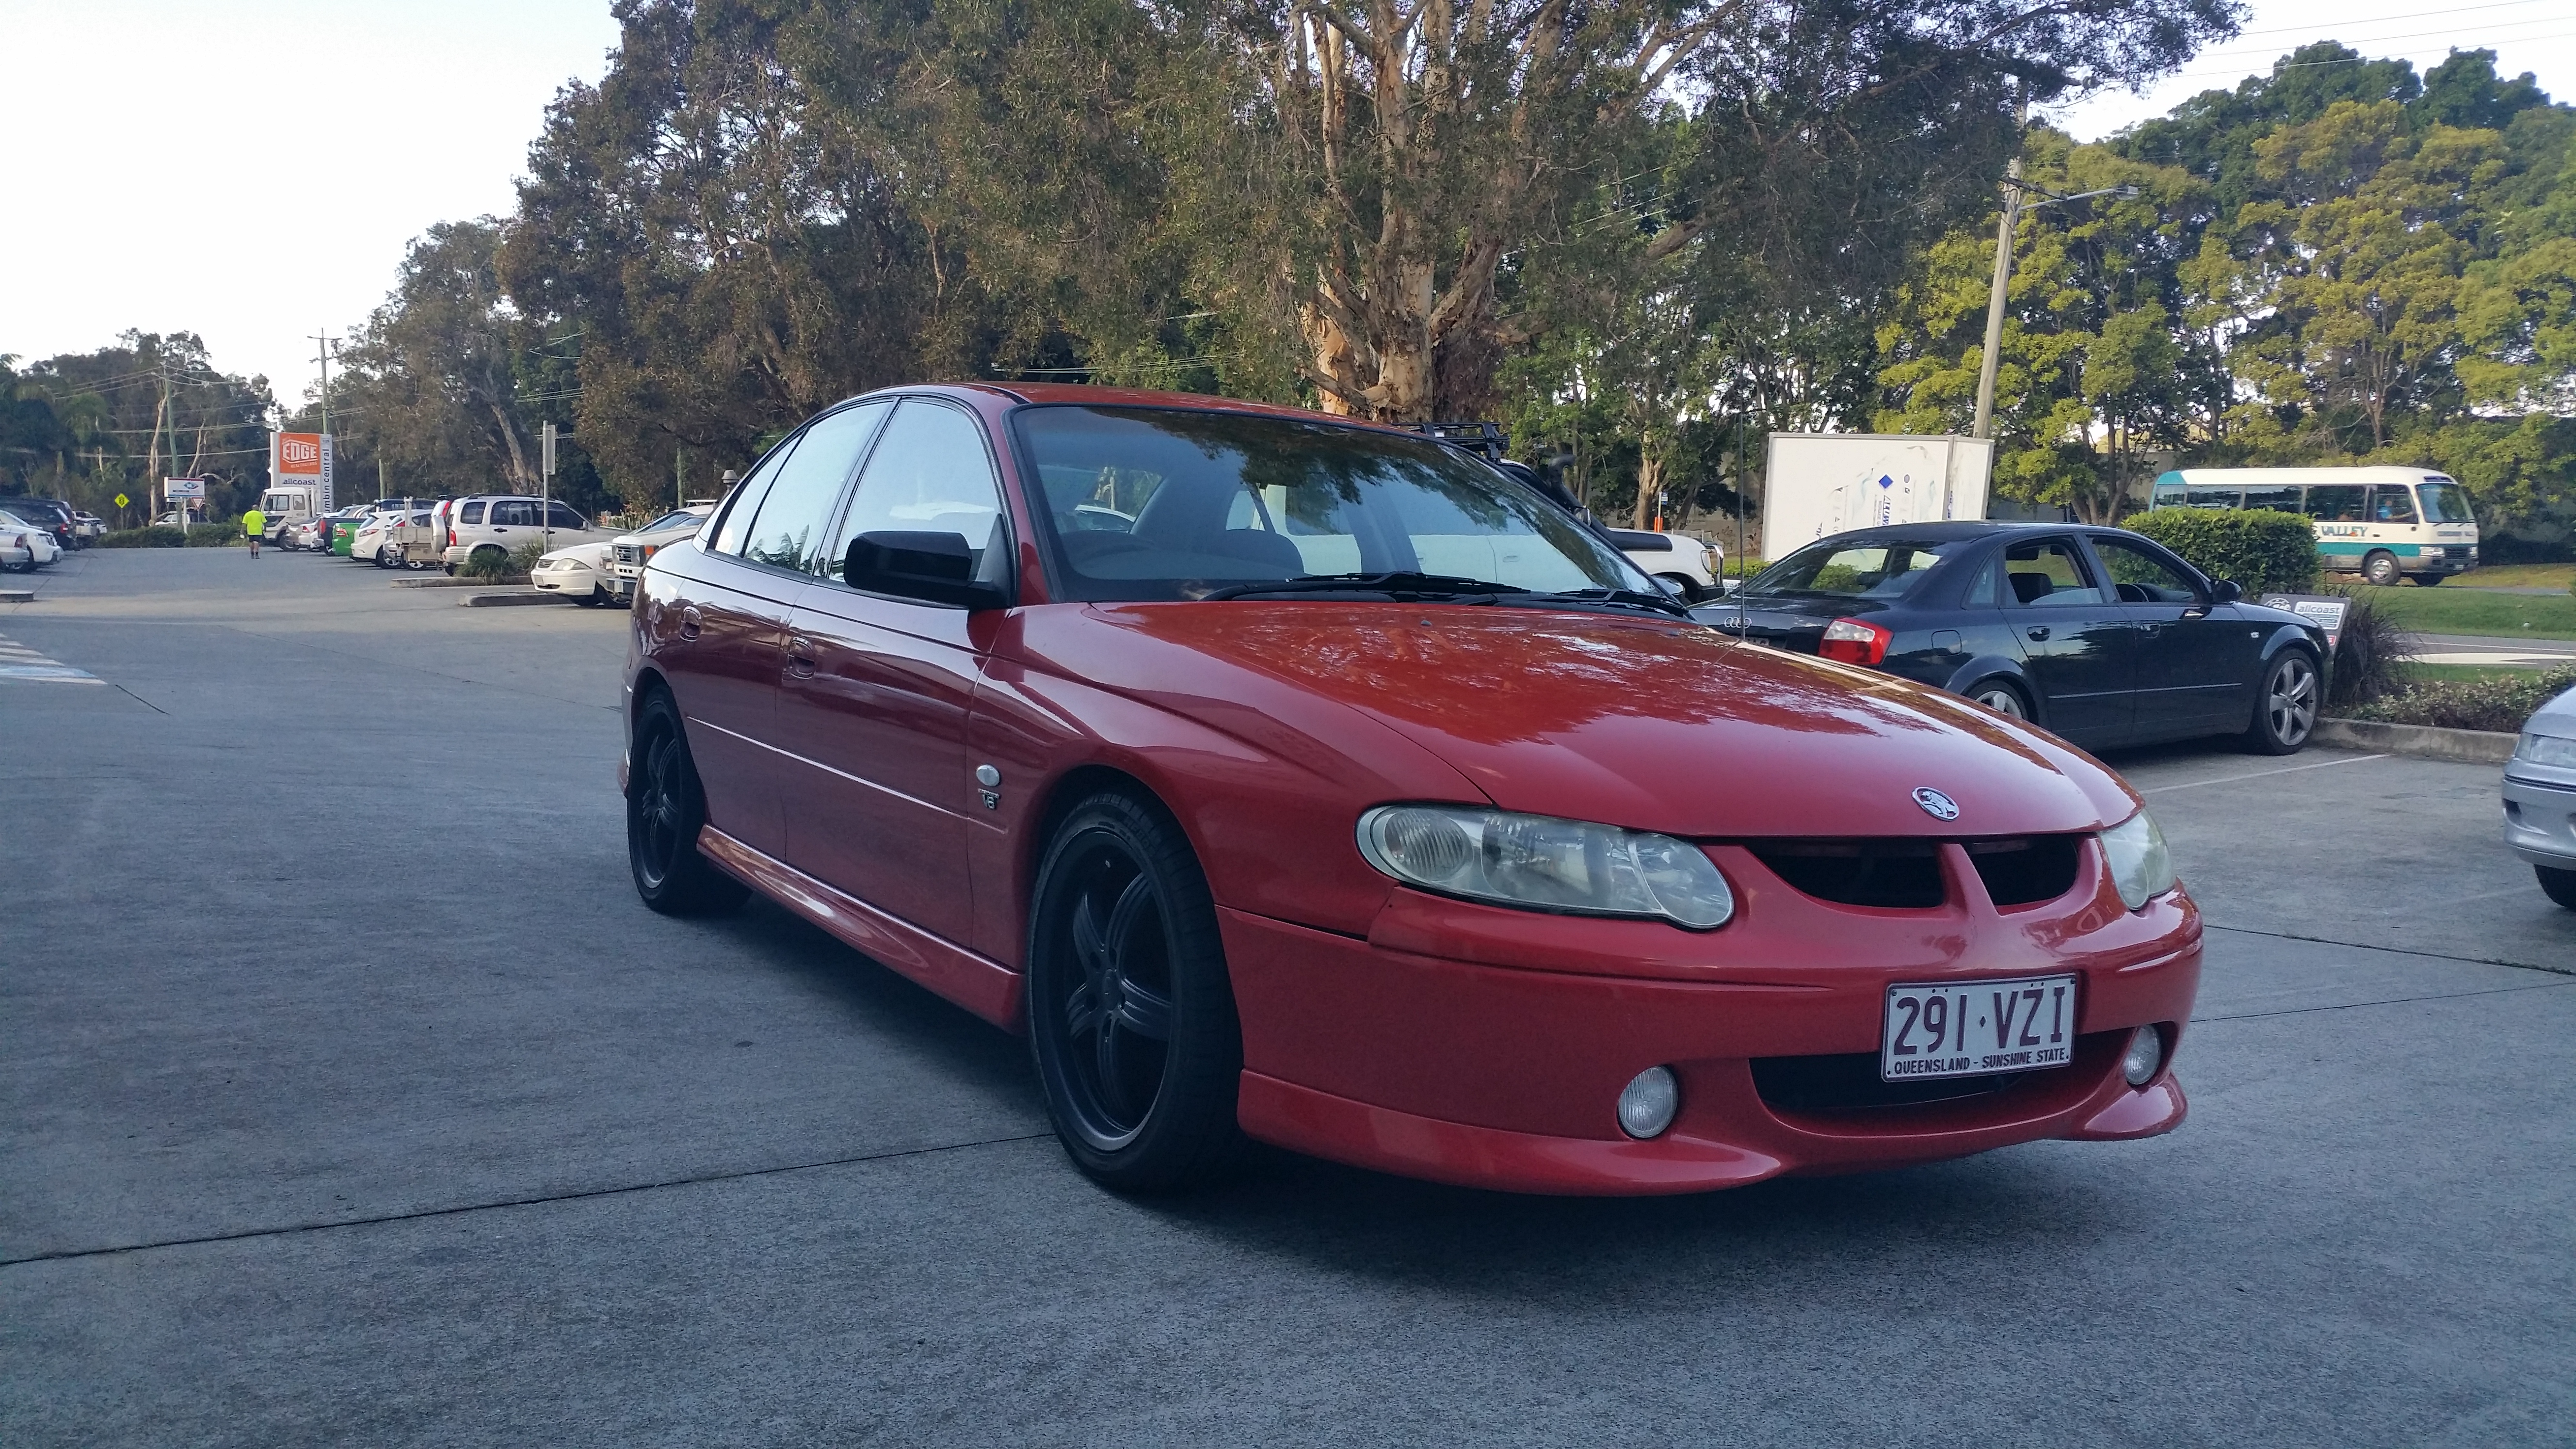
2476, 747
495, 601
17, 596
442, 581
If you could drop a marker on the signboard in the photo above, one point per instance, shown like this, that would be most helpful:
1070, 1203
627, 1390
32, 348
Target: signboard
1819, 484
121, 500
2326, 611
303, 458
175, 489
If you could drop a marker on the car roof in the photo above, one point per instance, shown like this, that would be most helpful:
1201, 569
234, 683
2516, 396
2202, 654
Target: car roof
1046, 394
1950, 528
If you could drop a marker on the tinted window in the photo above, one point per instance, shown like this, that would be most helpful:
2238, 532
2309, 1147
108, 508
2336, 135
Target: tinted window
929, 475
2140, 577
2047, 573
514, 513
1877, 569
473, 513
2281, 500
558, 516
747, 496
2337, 502
789, 530
1169, 503
2392, 503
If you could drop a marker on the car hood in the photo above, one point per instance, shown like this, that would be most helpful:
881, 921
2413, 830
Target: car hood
1653, 724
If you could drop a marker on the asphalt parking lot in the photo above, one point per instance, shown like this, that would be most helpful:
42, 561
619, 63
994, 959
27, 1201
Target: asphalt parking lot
351, 1097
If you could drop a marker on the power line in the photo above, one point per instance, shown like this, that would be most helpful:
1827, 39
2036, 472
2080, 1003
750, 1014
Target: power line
2414, 35
2406, 15
2248, 74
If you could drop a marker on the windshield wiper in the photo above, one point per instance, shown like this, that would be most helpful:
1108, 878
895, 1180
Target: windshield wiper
1393, 581
1624, 598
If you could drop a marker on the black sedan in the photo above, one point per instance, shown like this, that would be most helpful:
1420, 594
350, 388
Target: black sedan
2098, 634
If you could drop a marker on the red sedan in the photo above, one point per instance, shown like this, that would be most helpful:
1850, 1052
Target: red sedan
1286, 778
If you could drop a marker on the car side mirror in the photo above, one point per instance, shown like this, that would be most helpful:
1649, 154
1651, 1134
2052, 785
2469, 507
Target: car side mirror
936, 568
2226, 591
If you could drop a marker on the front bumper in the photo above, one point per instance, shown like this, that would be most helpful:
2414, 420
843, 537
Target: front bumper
2540, 822
1487, 1047
581, 583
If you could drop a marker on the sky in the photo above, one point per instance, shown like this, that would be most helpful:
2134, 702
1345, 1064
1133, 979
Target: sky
251, 170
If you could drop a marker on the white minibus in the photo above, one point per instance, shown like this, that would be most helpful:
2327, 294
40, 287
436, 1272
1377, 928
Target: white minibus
2380, 522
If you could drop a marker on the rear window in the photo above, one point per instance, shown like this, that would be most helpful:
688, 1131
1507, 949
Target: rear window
1879, 568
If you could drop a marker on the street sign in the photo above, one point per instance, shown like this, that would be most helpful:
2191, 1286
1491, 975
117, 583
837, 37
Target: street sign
303, 458
121, 500
175, 489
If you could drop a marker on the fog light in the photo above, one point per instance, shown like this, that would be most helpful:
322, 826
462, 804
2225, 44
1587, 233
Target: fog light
1647, 1103
2146, 1053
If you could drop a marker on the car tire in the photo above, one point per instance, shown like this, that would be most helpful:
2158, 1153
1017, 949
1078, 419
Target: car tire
665, 808
2425, 580
2558, 885
1131, 1017
2000, 695
2285, 705
2380, 568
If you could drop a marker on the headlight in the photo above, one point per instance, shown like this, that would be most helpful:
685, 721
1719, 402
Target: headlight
2140, 866
1541, 863
2536, 748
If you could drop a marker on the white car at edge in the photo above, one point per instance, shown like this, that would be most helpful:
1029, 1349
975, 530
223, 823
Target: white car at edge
579, 573
631, 551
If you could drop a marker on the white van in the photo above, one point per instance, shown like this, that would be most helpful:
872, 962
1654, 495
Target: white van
2383, 523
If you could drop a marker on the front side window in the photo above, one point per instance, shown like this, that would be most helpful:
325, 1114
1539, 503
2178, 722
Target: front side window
2392, 503
930, 474
2047, 573
2141, 577
2446, 503
1878, 569
736, 528
788, 531
1153, 503
558, 516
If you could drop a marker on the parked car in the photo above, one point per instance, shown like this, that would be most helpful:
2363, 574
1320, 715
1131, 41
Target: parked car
50, 514
502, 523
381, 539
2540, 797
579, 573
1360, 800
91, 525
1688, 565
25, 546
630, 552
2098, 634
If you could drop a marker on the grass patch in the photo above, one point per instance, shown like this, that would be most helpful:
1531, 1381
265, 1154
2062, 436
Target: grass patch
2448, 610
2500, 704
2560, 576
2465, 673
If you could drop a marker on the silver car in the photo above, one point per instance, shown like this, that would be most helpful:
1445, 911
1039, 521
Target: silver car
2540, 798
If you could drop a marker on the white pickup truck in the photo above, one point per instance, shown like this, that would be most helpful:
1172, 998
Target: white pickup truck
629, 552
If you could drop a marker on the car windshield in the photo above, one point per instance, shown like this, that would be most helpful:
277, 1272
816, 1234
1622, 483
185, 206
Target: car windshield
1168, 503
1878, 568
2446, 503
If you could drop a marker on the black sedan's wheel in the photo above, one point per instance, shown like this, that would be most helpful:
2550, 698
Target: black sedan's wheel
2285, 708
1131, 1017
2380, 568
2427, 580
2001, 697
2560, 885
665, 807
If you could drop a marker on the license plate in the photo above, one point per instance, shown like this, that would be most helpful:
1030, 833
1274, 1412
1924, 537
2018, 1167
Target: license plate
1977, 1028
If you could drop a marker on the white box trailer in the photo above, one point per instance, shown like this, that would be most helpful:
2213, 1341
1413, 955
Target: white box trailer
1825, 483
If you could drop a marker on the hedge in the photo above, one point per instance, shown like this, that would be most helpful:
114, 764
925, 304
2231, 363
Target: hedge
2263, 549
168, 535
2501, 704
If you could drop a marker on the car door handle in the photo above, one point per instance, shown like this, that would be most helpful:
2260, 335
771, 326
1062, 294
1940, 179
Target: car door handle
800, 656
2037, 632
690, 622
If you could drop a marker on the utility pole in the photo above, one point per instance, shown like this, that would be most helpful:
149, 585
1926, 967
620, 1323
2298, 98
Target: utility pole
546, 485
152, 454
1984, 427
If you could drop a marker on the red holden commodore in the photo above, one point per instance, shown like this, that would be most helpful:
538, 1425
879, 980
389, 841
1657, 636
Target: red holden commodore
1317, 783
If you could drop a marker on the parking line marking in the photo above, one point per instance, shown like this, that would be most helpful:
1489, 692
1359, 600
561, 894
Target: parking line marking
19, 662
2259, 774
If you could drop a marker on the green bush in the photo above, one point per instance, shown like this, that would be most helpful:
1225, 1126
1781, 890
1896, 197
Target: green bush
159, 535
2370, 654
502, 568
2500, 704
2265, 550
215, 535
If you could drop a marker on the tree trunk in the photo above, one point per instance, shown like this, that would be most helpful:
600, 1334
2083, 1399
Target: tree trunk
1650, 481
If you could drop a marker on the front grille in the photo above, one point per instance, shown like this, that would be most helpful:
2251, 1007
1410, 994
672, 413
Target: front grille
1899, 874
1850, 1083
2028, 869
1902, 873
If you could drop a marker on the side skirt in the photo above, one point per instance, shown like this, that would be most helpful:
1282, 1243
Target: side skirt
981, 985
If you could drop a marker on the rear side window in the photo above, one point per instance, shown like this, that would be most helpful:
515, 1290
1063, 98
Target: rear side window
473, 513
2337, 502
789, 530
2047, 573
514, 513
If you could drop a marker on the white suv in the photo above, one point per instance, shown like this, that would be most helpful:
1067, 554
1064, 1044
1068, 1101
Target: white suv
628, 555
505, 521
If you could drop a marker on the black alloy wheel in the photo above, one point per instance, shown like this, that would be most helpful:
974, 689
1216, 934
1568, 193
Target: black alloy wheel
2285, 708
2000, 697
665, 808
2380, 568
1130, 1014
